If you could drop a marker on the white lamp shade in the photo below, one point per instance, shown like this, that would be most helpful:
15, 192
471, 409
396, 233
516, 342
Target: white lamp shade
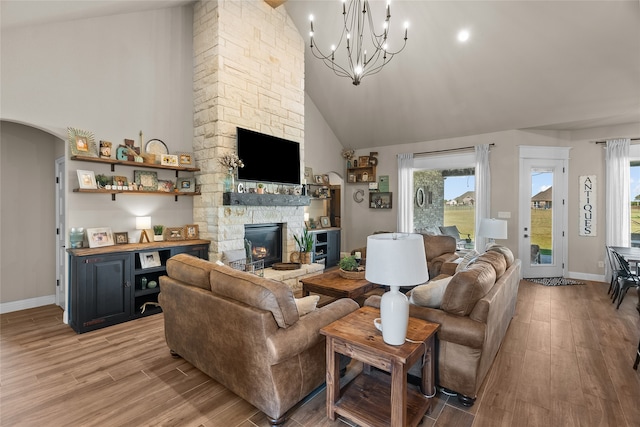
143, 222
396, 259
493, 228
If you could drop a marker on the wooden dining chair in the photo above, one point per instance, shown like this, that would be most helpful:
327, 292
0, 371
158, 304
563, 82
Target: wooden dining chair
625, 281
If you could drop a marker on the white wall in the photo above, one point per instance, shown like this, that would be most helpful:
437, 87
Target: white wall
113, 76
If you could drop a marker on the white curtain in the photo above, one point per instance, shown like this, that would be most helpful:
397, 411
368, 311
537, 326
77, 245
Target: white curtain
617, 200
483, 191
405, 193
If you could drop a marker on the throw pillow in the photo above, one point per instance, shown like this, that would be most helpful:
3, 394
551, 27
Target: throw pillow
467, 260
430, 294
307, 304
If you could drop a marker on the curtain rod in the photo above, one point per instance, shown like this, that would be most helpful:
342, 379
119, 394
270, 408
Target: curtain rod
604, 142
448, 150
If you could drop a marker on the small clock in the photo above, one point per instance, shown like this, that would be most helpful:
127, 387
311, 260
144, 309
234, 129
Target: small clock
157, 147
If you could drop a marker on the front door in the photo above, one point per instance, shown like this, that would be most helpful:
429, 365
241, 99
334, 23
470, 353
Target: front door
543, 212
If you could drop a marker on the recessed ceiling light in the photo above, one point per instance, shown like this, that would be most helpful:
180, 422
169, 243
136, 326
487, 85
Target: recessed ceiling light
463, 36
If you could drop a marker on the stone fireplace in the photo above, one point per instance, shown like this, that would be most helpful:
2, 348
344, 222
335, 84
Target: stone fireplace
248, 72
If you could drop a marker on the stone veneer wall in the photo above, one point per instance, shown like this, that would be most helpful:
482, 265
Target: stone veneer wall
248, 72
430, 214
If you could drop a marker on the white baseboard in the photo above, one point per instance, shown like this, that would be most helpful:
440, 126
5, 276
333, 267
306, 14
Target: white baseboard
585, 276
8, 307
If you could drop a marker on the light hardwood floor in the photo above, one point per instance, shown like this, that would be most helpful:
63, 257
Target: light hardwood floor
566, 360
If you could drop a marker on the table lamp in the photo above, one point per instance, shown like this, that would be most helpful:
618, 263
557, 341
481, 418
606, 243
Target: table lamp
395, 260
493, 229
143, 223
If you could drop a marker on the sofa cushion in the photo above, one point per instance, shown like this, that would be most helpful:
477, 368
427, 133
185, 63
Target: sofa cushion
306, 305
430, 294
255, 291
496, 260
468, 258
467, 287
190, 270
505, 251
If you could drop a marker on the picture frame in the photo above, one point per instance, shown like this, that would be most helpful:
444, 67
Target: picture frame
317, 179
352, 177
81, 143
87, 180
325, 222
186, 185
149, 259
146, 180
185, 159
169, 160
379, 200
119, 182
308, 174
121, 238
325, 179
174, 233
191, 232
363, 161
99, 237
165, 186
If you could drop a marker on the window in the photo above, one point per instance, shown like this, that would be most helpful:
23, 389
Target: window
634, 196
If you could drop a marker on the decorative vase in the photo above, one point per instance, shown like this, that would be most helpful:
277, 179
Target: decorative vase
229, 181
305, 257
143, 282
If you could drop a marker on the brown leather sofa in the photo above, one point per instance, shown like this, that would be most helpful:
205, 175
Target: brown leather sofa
439, 249
245, 332
476, 309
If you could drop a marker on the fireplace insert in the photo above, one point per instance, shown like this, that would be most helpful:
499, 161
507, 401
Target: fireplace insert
265, 241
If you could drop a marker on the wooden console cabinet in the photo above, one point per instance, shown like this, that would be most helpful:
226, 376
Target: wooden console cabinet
106, 284
326, 246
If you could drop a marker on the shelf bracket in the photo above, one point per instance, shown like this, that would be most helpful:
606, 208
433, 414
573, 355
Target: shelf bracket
113, 197
113, 167
175, 197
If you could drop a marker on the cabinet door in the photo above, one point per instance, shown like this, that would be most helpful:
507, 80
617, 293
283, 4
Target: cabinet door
104, 291
333, 248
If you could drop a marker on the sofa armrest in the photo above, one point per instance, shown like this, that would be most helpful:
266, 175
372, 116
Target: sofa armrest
449, 268
455, 329
305, 333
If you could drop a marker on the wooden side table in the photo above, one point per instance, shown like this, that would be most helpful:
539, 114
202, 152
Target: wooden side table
372, 398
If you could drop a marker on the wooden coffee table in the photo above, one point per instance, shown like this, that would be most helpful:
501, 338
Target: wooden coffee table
334, 285
373, 398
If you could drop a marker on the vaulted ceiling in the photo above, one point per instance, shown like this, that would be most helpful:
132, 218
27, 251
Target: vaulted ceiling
560, 65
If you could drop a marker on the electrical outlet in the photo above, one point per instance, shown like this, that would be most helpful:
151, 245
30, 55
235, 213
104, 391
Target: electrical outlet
504, 214
601, 264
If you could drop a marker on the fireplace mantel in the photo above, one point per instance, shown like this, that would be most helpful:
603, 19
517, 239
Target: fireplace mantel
255, 199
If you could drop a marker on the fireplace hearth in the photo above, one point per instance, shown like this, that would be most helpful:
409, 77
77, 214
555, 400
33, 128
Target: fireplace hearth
265, 241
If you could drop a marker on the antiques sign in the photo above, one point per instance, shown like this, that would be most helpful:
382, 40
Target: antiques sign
588, 206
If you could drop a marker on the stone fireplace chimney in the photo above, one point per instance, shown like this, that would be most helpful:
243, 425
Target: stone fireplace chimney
249, 72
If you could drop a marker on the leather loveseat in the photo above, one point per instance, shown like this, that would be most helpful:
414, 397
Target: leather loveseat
245, 332
474, 314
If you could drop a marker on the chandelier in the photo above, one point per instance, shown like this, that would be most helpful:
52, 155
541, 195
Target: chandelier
358, 35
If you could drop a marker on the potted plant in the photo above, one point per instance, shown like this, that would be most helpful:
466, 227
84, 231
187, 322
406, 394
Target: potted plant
157, 233
305, 247
261, 188
350, 268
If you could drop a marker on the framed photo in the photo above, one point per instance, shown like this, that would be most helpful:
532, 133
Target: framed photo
146, 179
308, 174
191, 232
352, 177
99, 237
121, 238
186, 185
81, 143
149, 259
120, 181
380, 200
165, 186
186, 159
324, 222
174, 233
363, 161
169, 160
325, 179
317, 179
87, 180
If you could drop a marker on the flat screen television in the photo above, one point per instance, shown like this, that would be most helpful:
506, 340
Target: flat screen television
268, 158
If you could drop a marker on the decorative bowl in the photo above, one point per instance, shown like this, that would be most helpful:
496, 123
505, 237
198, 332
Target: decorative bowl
355, 275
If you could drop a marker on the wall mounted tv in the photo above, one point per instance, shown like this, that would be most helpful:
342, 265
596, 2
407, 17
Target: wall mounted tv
268, 158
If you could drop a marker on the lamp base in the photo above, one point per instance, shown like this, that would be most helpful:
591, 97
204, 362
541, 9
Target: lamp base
144, 236
394, 314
